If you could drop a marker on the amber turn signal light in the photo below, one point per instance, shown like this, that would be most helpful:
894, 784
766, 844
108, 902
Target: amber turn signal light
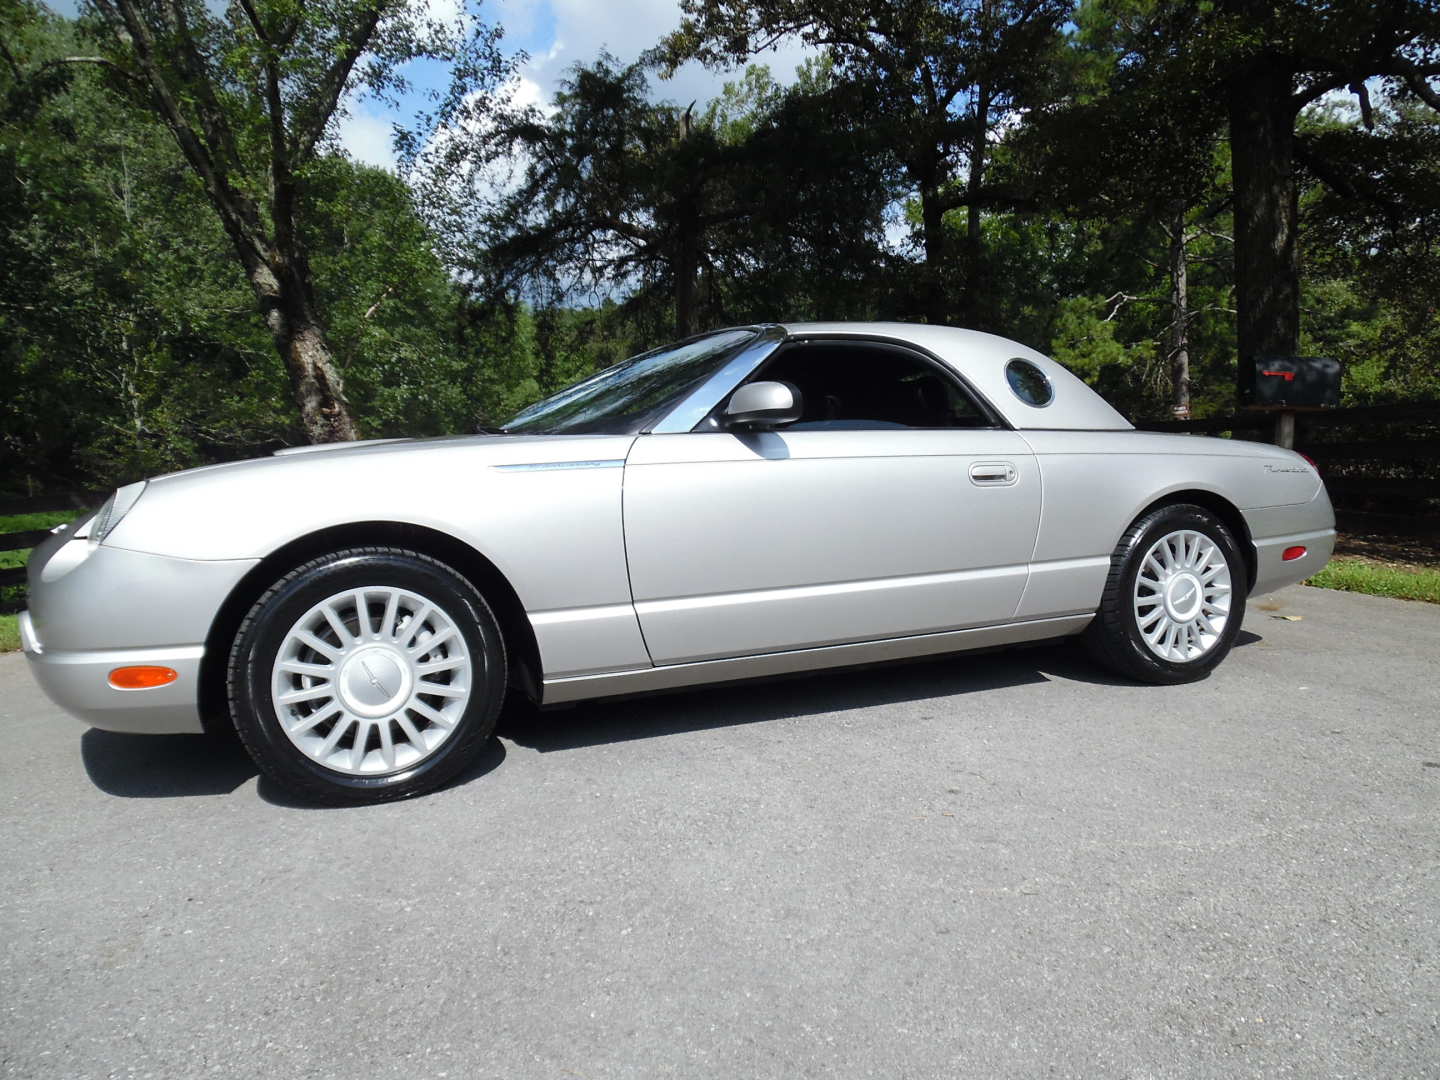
142, 678
1290, 554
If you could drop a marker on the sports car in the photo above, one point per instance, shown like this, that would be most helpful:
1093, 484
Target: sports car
754, 501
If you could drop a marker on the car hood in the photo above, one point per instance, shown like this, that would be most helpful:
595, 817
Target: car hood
481, 449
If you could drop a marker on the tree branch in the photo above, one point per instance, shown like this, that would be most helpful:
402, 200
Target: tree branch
332, 83
212, 118
237, 213
1423, 90
282, 182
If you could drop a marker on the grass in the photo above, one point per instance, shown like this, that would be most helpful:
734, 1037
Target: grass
13, 596
1351, 574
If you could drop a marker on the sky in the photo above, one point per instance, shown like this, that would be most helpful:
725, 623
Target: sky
554, 34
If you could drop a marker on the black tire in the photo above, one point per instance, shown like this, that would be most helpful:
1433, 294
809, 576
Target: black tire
1114, 637
264, 631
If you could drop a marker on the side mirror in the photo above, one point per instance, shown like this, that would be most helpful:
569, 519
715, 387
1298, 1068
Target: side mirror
759, 406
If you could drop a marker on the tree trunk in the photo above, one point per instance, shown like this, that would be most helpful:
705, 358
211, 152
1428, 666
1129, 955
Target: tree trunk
932, 221
974, 240
687, 264
299, 338
1267, 271
1179, 336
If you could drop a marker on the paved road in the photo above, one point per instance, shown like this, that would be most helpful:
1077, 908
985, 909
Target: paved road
1000, 866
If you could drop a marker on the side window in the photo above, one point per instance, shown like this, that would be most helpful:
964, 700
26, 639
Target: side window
859, 386
1029, 383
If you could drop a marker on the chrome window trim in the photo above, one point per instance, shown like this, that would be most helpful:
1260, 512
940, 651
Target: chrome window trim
699, 402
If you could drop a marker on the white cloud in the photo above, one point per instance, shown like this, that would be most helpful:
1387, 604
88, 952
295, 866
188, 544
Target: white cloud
627, 28
366, 136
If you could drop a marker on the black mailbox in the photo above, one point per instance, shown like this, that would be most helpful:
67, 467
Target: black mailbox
1296, 381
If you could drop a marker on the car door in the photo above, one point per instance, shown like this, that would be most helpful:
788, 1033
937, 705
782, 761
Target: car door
877, 516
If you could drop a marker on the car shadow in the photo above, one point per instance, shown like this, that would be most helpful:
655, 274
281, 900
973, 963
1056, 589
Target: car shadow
783, 697
164, 766
180, 766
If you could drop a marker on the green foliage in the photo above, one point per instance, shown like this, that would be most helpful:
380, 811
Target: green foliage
1044, 156
1372, 247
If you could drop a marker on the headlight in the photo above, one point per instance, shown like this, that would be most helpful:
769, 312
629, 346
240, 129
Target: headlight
103, 523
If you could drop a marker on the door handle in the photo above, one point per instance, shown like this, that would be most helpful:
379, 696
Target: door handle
993, 473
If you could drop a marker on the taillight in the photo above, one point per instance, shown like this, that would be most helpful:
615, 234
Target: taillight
1290, 554
1311, 460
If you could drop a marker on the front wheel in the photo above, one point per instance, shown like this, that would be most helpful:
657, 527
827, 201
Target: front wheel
366, 675
1174, 600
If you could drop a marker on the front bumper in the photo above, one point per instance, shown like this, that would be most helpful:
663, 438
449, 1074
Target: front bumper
94, 608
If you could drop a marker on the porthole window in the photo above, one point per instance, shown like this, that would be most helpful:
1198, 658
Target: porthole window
1029, 383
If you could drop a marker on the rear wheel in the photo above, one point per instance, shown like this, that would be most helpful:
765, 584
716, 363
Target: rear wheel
366, 675
1174, 600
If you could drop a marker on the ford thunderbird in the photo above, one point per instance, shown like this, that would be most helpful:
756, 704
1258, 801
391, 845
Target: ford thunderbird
754, 501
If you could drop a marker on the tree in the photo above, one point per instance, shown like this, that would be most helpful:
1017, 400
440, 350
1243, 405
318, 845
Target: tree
618, 194
1283, 56
1164, 172
1253, 67
248, 98
950, 74
128, 338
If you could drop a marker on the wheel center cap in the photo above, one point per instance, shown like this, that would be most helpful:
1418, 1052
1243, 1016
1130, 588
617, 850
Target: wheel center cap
1183, 597
374, 681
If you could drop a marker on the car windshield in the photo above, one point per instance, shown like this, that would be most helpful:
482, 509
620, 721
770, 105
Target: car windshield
633, 394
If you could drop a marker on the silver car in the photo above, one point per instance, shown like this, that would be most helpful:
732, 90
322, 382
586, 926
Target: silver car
754, 501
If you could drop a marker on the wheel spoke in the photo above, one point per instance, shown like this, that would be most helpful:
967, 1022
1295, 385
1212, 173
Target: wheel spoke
357, 749
433, 642
315, 719
324, 648
337, 624
298, 667
308, 693
416, 624
387, 621
387, 745
450, 663
336, 734
362, 616
433, 715
450, 690
411, 732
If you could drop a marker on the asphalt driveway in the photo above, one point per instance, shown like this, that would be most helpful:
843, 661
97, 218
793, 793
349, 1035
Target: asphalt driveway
1005, 865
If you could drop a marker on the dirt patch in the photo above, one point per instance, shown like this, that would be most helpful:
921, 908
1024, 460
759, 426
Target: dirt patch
1406, 544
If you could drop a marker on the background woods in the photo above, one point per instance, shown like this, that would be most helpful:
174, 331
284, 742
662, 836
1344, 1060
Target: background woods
192, 268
